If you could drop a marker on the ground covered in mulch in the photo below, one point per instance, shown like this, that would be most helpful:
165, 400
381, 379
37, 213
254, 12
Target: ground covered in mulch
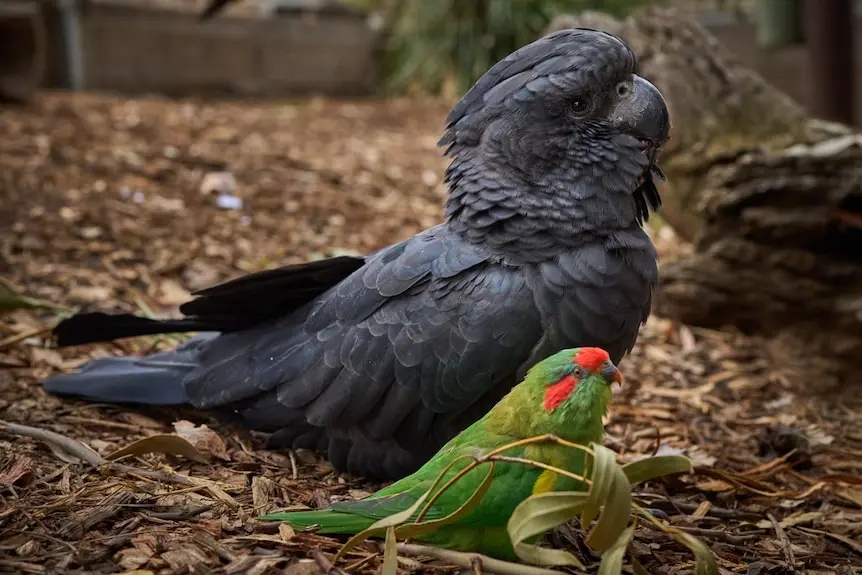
106, 203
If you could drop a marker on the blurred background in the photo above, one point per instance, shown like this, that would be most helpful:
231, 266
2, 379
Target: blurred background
273, 48
147, 152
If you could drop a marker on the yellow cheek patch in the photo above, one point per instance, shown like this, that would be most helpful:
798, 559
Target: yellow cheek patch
545, 482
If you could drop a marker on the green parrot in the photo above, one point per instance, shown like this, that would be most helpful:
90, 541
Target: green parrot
566, 395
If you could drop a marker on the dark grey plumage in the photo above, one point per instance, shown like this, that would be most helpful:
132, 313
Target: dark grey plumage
381, 359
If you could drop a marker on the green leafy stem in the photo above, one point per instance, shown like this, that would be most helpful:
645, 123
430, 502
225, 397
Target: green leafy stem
609, 498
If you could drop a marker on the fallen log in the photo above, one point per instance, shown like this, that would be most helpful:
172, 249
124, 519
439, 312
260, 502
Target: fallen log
770, 198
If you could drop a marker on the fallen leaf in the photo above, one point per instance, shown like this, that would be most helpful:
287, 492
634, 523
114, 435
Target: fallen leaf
697, 455
853, 495
171, 293
286, 532
303, 567
89, 294
132, 559
203, 438
792, 520
11, 298
41, 355
15, 470
261, 491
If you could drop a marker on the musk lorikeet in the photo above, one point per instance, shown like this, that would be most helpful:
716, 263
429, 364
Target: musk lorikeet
566, 395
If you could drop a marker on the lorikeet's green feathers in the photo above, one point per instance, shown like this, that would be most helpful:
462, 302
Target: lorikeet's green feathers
565, 395
328, 520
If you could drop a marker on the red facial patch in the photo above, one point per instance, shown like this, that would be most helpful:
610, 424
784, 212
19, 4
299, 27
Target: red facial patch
591, 358
557, 393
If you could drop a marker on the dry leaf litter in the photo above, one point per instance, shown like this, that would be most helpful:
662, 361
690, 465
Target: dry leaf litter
113, 203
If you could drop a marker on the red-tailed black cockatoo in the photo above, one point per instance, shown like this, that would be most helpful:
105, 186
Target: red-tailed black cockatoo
381, 359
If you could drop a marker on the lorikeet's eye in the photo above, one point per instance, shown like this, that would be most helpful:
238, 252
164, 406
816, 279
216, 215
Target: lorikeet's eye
578, 372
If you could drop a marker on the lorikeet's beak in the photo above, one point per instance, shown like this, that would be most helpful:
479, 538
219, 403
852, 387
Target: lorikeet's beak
611, 373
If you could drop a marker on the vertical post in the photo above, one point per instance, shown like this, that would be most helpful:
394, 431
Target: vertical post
70, 15
829, 34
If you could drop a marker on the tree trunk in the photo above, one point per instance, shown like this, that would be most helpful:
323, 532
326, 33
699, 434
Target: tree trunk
771, 199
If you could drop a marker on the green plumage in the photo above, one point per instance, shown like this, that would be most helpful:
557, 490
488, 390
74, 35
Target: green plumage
525, 412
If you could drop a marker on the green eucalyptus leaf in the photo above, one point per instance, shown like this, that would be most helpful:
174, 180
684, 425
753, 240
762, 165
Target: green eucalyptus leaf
390, 553
655, 467
612, 558
395, 519
11, 299
705, 563
538, 514
637, 568
413, 530
617, 504
602, 478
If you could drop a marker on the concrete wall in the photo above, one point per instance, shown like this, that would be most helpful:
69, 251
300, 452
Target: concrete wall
138, 50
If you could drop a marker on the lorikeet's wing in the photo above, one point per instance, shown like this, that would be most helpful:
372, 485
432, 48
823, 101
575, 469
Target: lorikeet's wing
510, 484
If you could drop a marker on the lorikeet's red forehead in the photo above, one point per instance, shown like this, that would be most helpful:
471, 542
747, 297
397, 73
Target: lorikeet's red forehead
591, 358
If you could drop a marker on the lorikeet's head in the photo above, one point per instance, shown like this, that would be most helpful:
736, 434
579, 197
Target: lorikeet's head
566, 394
584, 372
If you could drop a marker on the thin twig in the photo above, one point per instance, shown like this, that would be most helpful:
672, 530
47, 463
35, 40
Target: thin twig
494, 455
87, 455
353, 567
785, 541
466, 560
66, 444
181, 514
657, 440
294, 474
13, 339
539, 439
727, 478
541, 465
102, 423
448, 484
714, 511
717, 534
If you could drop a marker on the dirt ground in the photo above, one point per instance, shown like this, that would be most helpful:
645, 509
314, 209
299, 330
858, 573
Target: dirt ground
102, 207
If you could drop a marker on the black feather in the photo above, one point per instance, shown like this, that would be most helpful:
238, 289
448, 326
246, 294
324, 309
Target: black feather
231, 306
